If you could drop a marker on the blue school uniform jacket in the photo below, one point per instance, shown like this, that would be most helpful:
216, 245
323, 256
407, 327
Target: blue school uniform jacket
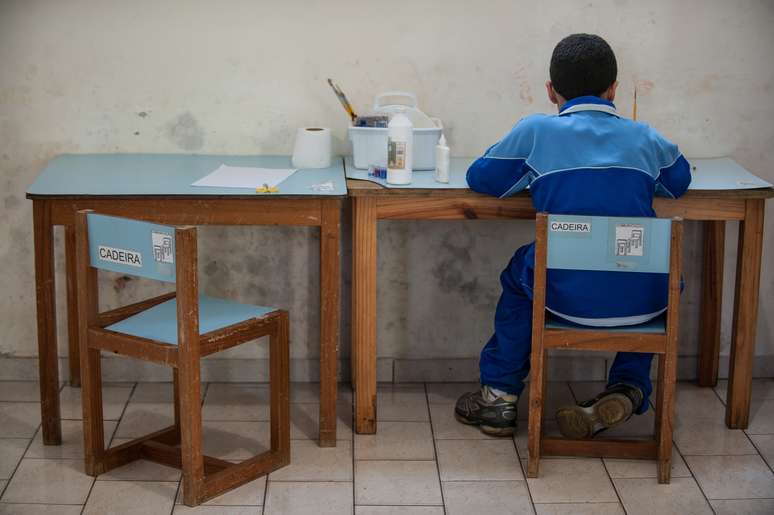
587, 160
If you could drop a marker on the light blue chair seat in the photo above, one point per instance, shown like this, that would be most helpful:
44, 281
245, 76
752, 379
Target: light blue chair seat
654, 326
160, 322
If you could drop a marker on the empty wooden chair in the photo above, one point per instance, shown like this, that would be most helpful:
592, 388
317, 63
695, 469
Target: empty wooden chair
599, 249
177, 330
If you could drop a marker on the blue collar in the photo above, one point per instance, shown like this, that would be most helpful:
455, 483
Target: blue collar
588, 103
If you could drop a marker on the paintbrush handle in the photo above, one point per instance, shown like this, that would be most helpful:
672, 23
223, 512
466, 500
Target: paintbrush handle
343, 99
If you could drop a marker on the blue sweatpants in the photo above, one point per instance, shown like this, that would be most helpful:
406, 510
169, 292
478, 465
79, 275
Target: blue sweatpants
504, 362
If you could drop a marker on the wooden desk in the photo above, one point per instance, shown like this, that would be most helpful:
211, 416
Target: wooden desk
157, 188
372, 202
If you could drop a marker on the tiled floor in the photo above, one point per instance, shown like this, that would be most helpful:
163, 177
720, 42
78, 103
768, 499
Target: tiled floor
421, 462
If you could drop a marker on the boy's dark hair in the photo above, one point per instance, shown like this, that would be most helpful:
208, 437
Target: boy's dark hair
582, 64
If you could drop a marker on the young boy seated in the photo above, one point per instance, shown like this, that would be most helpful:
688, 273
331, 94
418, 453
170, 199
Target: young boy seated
587, 160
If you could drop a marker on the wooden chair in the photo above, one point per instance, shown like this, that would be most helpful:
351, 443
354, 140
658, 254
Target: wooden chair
176, 329
599, 249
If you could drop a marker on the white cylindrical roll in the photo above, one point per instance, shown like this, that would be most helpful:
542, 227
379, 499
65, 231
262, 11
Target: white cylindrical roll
312, 148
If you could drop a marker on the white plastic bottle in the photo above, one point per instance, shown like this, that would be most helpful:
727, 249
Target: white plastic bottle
400, 149
442, 156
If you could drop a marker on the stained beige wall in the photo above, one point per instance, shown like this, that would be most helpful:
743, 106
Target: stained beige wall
240, 76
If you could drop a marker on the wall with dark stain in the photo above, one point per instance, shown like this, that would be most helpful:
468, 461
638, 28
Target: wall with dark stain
239, 77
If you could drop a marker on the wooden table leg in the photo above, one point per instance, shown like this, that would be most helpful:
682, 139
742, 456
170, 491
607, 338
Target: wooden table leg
711, 302
73, 353
364, 215
748, 270
330, 311
48, 362
189, 367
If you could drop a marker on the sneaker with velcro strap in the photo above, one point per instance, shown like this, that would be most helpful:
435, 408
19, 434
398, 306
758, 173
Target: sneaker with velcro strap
493, 411
609, 409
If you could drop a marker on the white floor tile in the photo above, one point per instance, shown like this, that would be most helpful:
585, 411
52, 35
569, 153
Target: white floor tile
501, 497
399, 510
142, 418
589, 508
680, 497
235, 440
131, 498
114, 399
761, 388
732, 477
397, 483
286, 498
692, 401
761, 417
40, 509
11, 452
49, 482
217, 510
72, 441
765, 445
19, 391
20, 419
396, 441
401, 402
571, 480
304, 421
476, 460
236, 402
310, 462
744, 507
709, 436
639, 469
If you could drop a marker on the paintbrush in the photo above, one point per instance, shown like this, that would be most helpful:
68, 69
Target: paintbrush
634, 107
343, 99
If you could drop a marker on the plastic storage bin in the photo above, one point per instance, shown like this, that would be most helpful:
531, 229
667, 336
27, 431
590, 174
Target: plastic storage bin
369, 147
369, 144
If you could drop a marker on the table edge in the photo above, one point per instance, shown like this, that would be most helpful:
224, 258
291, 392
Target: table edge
113, 196
362, 188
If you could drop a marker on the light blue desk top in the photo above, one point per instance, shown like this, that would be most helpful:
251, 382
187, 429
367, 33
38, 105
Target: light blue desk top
170, 175
722, 173
711, 174
424, 179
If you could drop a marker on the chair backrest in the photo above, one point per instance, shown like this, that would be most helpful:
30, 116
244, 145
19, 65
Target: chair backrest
612, 244
132, 247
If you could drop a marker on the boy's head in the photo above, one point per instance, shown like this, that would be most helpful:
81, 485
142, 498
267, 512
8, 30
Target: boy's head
582, 64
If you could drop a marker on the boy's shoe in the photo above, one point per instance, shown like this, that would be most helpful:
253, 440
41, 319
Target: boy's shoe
494, 412
610, 408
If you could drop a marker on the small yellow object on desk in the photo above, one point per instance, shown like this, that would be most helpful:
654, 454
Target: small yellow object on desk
266, 189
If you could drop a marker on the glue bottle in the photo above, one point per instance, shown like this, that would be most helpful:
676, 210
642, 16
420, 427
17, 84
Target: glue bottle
442, 156
400, 147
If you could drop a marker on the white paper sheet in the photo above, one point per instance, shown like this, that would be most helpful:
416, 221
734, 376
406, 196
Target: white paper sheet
244, 177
